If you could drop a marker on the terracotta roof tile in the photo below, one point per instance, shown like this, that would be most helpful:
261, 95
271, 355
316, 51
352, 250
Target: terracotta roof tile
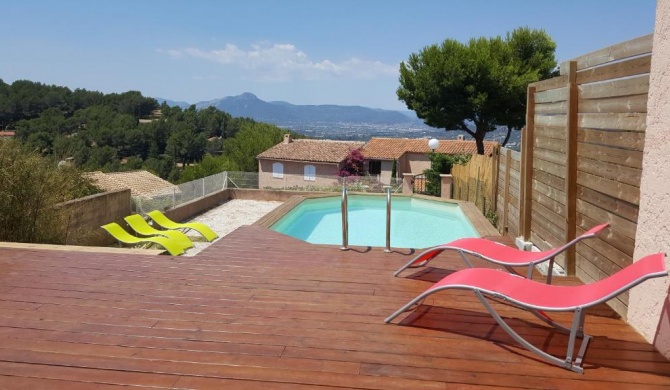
141, 183
311, 150
394, 148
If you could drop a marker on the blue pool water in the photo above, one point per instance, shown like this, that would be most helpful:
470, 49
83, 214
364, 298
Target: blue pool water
415, 223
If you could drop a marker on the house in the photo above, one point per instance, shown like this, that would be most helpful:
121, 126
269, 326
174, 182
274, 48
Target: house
7, 134
301, 162
411, 154
141, 183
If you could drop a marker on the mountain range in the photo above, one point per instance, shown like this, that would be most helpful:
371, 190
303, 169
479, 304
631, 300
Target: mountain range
334, 121
284, 113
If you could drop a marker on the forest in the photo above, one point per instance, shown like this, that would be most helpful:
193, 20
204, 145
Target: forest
127, 131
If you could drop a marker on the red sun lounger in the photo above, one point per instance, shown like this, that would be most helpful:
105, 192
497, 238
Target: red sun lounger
498, 253
536, 297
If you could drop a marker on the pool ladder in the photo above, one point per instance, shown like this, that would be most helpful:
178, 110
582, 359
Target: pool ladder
345, 219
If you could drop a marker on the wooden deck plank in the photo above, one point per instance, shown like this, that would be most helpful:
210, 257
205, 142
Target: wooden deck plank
258, 309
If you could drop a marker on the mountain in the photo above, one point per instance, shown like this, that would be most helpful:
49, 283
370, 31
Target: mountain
172, 103
284, 113
337, 122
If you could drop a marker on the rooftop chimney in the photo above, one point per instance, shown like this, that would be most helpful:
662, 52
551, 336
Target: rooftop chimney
460, 137
287, 138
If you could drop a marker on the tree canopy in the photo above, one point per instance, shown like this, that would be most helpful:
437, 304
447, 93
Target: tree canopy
481, 84
127, 131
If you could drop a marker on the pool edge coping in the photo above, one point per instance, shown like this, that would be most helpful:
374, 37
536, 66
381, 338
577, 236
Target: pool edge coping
476, 218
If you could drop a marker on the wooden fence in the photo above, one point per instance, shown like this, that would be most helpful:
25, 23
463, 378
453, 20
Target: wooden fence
582, 158
475, 181
509, 189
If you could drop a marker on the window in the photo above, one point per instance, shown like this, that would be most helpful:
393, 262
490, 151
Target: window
310, 173
375, 167
278, 170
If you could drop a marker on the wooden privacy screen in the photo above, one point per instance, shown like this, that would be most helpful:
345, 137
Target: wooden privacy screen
508, 194
475, 181
582, 158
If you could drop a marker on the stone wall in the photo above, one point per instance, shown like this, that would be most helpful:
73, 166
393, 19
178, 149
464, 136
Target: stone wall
84, 217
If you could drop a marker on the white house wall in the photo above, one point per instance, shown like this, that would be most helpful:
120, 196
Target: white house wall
649, 303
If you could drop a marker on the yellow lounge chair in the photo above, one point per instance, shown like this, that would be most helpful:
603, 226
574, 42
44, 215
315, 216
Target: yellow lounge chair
167, 223
141, 226
123, 236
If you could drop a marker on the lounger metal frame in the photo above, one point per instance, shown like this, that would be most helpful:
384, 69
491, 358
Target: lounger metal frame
549, 255
571, 361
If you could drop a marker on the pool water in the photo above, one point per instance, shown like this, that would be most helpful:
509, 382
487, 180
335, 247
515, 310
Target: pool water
415, 223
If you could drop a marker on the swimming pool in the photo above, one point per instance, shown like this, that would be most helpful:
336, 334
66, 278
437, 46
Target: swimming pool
415, 223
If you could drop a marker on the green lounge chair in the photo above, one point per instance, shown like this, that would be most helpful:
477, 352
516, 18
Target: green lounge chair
141, 226
167, 223
123, 236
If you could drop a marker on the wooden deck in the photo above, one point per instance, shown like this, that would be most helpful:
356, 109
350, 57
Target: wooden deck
259, 310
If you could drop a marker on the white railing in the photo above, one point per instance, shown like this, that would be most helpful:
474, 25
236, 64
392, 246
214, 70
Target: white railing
186, 192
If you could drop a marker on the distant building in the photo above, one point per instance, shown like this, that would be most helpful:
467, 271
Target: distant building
7, 134
141, 183
299, 163
411, 154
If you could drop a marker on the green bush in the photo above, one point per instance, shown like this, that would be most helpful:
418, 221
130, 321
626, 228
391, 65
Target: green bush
441, 164
31, 187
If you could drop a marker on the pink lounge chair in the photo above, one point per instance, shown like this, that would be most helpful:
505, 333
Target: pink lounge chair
536, 297
498, 253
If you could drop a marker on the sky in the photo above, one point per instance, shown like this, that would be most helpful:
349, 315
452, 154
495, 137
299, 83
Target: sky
344, 52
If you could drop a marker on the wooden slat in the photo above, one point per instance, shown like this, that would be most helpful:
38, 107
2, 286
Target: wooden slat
635, 85
555, 133
553, 156
614, 235
555, 194
633, 47
601, 215
614, 205
552, 95
610, 187
549, 167
550, 204
619, 139
628, 121
551, 144
612, 171
552, 83
550, 180
632, 67
623, 104
551, 108
628, 158
550, 120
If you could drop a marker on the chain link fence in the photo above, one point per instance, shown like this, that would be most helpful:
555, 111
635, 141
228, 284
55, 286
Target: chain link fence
186, 192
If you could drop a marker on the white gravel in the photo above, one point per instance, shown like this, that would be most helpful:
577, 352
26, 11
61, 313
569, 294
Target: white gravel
228, 217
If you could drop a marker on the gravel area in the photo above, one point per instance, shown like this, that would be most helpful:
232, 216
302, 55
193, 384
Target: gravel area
228, 217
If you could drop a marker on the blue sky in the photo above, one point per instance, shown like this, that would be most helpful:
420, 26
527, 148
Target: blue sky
301, 51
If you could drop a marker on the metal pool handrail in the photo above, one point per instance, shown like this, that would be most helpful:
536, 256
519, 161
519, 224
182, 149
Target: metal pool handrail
388, 219
345, 220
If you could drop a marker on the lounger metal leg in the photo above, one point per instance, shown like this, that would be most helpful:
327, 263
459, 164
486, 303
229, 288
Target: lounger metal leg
550, 270
414, 302
546, 319
567, 363
412, 264
465, 258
